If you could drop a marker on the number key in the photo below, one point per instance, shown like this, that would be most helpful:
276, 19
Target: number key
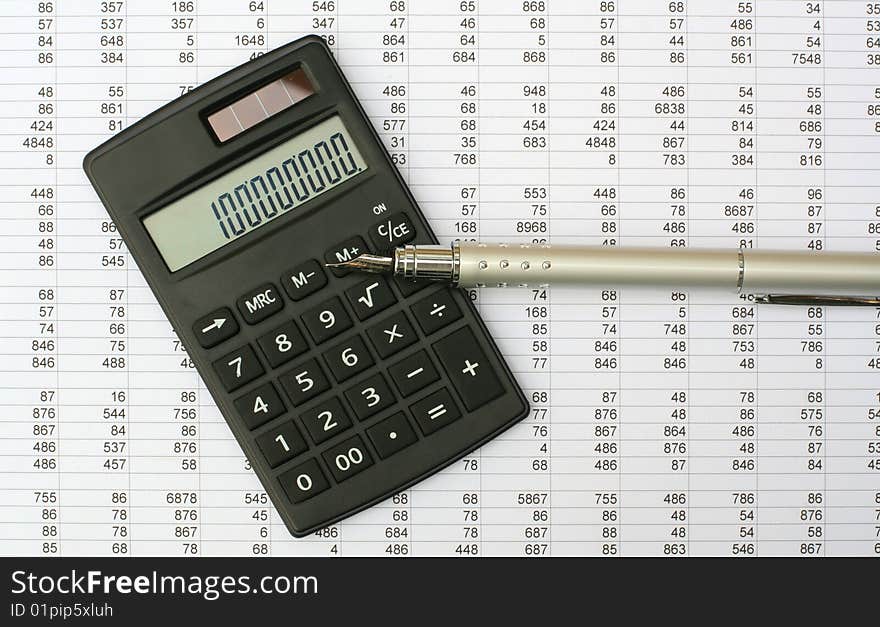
259, 406
348, 358
304, 481
348, 458
325, 420
281, 444
282, 344
304, 382
238, 367
369, 397
326, 320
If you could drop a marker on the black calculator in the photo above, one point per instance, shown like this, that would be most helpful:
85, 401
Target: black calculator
342, 389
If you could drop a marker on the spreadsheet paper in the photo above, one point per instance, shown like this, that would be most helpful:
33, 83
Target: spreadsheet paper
663, 422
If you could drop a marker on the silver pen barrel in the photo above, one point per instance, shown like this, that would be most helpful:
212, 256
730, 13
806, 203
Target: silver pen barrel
475, 264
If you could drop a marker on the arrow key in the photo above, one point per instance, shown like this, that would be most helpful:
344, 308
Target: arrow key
218, 326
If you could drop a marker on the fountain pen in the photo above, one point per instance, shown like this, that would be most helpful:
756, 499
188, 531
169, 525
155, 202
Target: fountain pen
771, 276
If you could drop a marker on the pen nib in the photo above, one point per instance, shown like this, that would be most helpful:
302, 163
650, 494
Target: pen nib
366, 263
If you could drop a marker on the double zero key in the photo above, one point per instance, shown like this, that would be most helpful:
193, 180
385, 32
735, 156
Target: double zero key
348, 458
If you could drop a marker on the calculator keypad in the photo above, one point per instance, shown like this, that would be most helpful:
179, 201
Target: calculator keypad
365, 339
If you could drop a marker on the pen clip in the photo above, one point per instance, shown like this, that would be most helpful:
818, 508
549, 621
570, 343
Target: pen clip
806, 299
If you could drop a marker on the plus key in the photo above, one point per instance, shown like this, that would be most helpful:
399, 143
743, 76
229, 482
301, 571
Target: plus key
468, 368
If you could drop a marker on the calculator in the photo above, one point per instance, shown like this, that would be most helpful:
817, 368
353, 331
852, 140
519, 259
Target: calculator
341, 389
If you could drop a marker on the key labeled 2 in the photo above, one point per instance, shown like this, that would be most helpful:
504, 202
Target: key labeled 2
325, 420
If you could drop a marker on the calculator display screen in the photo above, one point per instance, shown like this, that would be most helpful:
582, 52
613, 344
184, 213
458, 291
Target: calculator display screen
272, 184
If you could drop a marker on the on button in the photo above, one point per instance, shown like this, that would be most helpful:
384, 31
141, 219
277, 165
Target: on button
392, 231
